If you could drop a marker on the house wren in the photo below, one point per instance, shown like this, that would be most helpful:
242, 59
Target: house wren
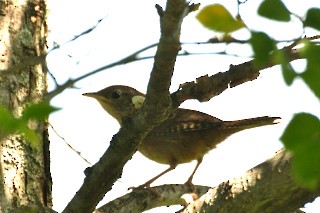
186, 136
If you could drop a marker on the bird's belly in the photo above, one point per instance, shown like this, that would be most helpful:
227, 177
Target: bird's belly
168, 152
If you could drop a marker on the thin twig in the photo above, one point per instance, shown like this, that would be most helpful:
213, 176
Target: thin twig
73, 149
57, 46
132, 57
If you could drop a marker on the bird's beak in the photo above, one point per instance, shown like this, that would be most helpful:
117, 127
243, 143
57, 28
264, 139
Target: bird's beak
91, 94
96, 96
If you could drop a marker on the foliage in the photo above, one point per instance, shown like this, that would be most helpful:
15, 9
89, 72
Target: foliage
311, 75
9, 124
217, 18
302, 138
274, 9
302, 135
262, 46
313, 18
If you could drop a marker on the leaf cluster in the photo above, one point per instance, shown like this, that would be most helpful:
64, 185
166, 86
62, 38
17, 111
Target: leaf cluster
302, 136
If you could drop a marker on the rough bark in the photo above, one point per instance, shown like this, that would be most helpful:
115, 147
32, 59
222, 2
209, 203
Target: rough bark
25, 178
142, 200
268, 187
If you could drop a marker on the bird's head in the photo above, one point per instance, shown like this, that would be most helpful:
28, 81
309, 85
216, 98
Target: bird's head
119, 101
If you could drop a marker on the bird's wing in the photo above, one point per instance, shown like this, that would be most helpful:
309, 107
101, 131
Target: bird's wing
186, 120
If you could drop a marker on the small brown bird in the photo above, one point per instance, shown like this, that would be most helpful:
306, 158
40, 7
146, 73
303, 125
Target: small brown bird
187, 136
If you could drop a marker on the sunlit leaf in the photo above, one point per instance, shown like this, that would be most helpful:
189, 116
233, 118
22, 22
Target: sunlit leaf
217, 18
311, 75
302, 138
262, 46
275, 10
313, 18
38, 111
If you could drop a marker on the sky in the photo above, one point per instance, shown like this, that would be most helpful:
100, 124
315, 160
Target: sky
128, 26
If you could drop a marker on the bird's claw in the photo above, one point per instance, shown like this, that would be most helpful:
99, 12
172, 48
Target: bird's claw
191, 186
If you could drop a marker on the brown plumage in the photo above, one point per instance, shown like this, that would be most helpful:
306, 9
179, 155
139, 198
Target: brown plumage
187, 136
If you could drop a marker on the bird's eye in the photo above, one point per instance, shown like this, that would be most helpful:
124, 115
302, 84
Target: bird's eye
116, 94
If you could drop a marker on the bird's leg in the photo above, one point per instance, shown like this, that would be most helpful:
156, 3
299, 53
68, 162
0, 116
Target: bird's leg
189, 181
147, 184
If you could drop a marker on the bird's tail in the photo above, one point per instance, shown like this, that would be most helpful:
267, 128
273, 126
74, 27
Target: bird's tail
252, 122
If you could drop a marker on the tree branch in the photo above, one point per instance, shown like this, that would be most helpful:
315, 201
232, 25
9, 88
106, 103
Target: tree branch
100, 178
268, 187
142, 200
205, 87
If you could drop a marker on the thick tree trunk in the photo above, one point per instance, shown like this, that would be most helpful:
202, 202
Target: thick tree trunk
25, 178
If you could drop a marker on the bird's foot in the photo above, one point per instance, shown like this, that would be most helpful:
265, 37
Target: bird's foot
191, 186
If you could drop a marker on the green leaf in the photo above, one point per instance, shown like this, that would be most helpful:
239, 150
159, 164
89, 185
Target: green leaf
288, 73
312, 78
313, 18
8, 123
303, 130
217, 18
311, 75
275, 10
262, 46
302, 138
11, 125
32, 137
38, 111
